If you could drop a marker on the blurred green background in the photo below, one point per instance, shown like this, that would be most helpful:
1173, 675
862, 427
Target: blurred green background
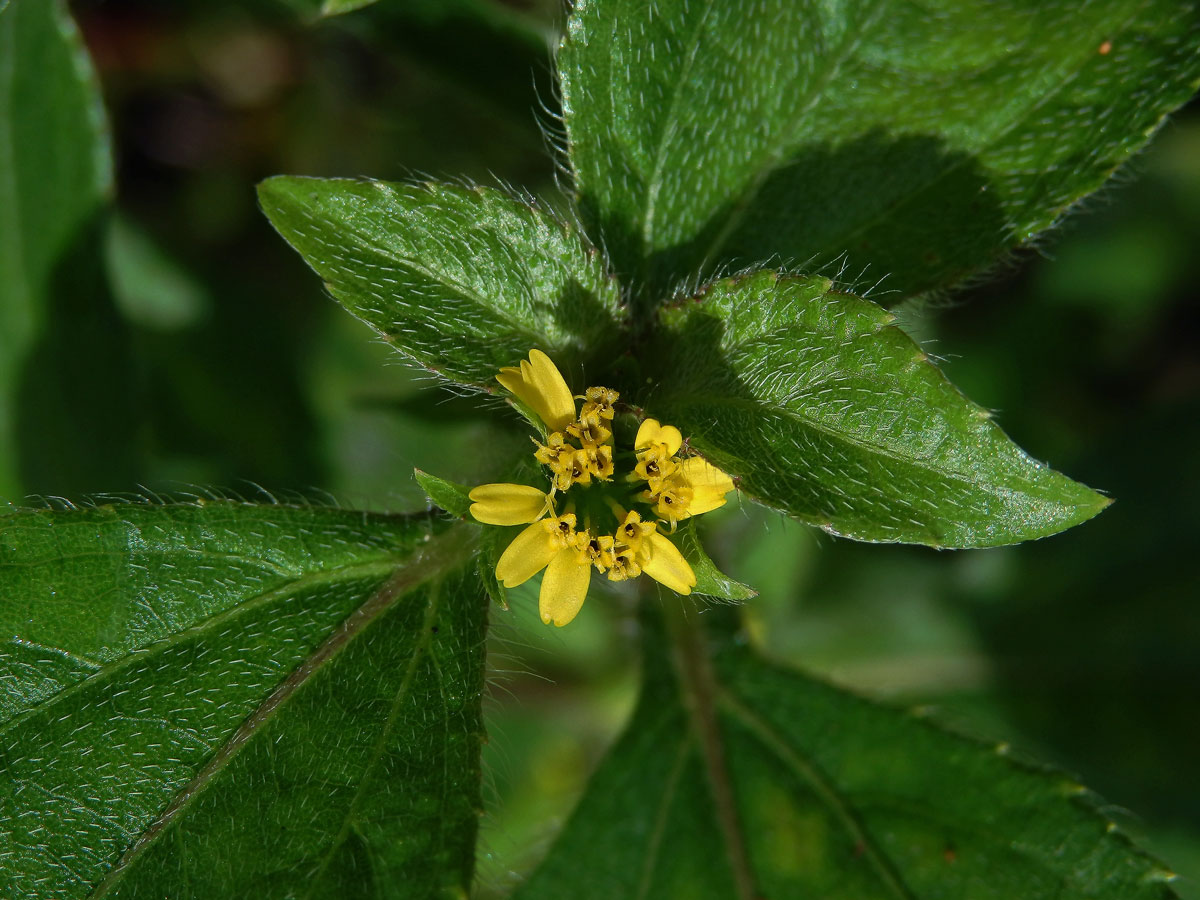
201, 353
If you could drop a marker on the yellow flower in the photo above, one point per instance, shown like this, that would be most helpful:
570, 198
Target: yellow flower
651, 433
709, 485
677, 488
598, 405
539, 385
554, 545
579, 453
663, 562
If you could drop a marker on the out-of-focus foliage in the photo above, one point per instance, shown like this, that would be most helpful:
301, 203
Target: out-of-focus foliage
58, 383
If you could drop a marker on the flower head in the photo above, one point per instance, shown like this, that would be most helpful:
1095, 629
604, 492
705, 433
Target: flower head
598, 528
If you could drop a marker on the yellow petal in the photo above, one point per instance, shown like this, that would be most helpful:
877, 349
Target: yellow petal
540, 386
652, 432
708, 483
665, 564
564, 586
507, 504
527, 555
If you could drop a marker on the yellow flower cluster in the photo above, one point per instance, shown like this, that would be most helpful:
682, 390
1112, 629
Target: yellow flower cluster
579, 451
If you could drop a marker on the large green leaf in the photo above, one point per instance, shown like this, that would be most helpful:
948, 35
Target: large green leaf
921, 142
826, 410
462, 280
738, 778
220, 699
55, 174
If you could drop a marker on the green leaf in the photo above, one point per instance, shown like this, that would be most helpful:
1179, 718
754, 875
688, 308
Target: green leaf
151, 288
462, 280
819, 406
55, 174
492, 544
220, 699
920, 145
337, 7
710, 581
449, 496
738, 778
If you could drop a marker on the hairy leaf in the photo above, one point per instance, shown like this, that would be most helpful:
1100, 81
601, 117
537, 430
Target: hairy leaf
221, 699
451, 497
823, 408
740, 779
461, 280
710, 581
919, 142
55, 173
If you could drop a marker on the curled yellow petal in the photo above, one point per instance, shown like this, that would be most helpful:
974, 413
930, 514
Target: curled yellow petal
708, 483
663, 562
564, 586
508, 504
652, 432
528, 554
539, 385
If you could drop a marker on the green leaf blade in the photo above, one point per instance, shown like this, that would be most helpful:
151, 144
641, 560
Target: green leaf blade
461, 280
710, 581
822, 408
272, 663
915, 147
450, 496
55, 175
737, 778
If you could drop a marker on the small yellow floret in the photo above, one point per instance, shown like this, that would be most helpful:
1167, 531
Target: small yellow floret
598, 404
651, 432
590, 432
655, 462
532, 549
564, 587
709, 485
539, 385
633, 530
559, 456
508, 504
663, 562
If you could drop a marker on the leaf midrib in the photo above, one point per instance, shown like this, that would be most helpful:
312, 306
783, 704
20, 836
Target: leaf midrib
946, 473
776, 151
698, 689
662, 815
808, 771
348, 820
403, 262
670, 123
137, 655
425, 562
